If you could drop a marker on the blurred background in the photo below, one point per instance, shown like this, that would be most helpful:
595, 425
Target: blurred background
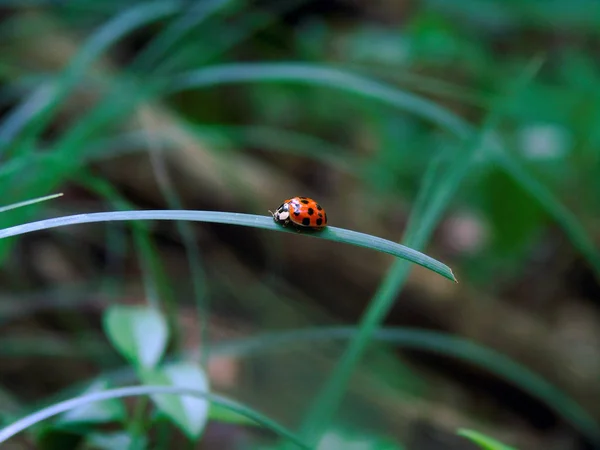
235, 105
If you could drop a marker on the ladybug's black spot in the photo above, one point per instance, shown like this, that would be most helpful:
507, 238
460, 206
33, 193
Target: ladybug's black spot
319, 222
304, 201
320, 215
319, 207
325, 216
311, 211
306, 221
296, 213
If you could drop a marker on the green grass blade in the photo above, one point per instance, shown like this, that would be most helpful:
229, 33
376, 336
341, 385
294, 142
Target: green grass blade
565, 218
250, 220
431, 341
442, 187
29, 202
434, 196
319, 75
136, 391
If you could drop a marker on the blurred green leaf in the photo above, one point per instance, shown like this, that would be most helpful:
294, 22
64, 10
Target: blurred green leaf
139, 333
190, 414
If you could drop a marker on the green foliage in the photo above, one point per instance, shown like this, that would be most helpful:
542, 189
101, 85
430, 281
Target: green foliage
139, 333
190, 414
429, 113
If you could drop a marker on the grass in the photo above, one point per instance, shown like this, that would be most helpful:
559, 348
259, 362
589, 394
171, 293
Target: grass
8, 432
250, 220
168, 67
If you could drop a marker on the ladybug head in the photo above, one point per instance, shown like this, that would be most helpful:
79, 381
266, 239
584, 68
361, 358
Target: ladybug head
282, 214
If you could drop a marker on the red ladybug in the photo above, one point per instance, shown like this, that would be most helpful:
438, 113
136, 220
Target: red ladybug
302, 213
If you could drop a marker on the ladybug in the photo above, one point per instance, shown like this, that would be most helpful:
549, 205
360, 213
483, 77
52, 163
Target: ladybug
302, 213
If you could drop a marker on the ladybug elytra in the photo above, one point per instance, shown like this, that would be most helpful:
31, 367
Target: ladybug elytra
302, 213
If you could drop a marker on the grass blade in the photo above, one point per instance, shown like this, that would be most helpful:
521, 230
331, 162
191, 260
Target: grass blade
319, 75
136, 391
433, 198
250, 220
431, 341
29, 202
417, 235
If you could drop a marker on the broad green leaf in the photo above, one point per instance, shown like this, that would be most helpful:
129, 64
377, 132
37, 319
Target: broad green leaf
485, 442
189, 413
139, 333
111, 410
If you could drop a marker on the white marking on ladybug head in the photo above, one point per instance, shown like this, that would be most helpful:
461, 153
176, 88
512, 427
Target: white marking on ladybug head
283, 215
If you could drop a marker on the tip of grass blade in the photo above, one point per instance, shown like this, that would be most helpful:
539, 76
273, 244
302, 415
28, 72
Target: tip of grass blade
30, 202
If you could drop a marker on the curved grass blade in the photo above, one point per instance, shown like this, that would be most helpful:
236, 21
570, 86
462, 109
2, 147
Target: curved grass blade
319, 75
432, 341
29, 202
248, 220
435, 194
58, 408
